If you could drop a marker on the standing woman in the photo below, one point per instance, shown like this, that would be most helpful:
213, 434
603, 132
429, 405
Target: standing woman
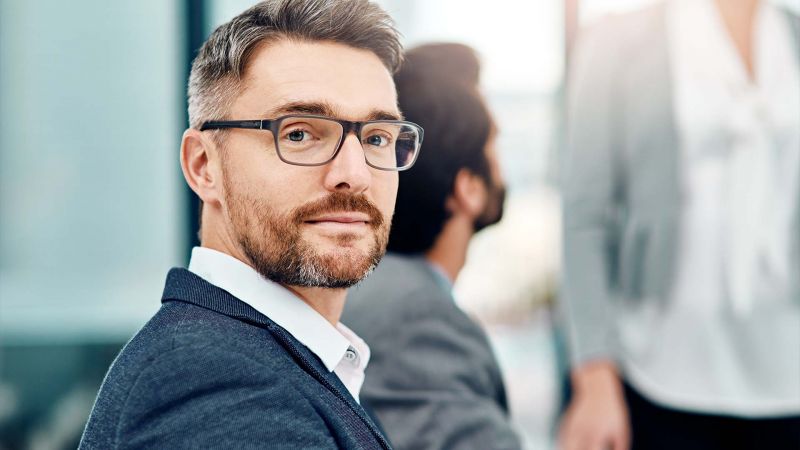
682, 229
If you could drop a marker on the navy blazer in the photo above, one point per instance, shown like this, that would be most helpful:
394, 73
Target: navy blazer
209, 371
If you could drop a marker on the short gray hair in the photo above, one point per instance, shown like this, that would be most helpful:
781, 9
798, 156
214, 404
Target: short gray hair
218, 69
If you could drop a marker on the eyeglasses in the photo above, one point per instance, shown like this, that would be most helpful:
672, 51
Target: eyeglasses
309, 140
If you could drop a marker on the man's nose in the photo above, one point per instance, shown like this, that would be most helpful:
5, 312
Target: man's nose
348, 172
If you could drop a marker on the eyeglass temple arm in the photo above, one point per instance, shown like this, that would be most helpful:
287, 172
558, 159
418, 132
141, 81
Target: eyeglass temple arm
246, 124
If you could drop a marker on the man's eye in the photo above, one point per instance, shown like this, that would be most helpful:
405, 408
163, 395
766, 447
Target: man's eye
377, 140
296, 135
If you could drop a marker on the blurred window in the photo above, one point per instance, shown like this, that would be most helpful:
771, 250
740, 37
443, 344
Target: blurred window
90, 187
591, 10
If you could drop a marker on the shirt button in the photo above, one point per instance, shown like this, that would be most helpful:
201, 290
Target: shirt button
350, 355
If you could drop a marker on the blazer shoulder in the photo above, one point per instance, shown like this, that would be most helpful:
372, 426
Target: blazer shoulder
424, 315
182, 333
186, 327
396, 277
188, 365
377, 307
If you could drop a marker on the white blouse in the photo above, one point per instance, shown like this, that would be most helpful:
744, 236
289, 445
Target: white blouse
728, 341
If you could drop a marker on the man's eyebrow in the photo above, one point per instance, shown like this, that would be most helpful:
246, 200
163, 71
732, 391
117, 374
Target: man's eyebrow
317, 108
377, 114
325, 109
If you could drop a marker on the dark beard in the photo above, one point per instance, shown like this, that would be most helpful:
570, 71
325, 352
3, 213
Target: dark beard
494, 208
275, 247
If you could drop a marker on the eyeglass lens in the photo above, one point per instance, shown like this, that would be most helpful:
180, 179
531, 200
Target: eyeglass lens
312, 140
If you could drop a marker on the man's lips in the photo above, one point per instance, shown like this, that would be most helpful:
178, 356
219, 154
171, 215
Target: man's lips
335, 224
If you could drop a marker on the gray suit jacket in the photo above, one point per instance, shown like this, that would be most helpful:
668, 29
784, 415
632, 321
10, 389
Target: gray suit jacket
432, 379
622, 198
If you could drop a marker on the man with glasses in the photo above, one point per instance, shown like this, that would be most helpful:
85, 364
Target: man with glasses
433, 380
294, 145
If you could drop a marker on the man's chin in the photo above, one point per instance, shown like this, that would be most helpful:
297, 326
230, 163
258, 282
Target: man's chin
343, 258
351, 263
343, 268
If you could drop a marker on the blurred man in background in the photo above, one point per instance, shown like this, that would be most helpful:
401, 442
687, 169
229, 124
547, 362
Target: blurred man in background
682, 230
433, 380
294, 147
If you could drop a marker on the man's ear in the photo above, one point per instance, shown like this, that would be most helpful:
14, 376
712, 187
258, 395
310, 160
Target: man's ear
469, 194
200, 165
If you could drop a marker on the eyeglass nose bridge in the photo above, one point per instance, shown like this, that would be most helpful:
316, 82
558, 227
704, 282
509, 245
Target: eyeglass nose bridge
347, 128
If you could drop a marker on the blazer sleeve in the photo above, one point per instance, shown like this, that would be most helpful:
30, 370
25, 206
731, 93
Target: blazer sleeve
433, 381
207, 397
592, 194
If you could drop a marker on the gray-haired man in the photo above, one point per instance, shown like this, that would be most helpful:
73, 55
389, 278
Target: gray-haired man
294, 147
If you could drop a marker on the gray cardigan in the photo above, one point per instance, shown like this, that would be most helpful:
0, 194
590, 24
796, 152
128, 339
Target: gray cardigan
621, 179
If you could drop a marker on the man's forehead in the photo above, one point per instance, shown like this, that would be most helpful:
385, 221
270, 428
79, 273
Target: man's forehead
319, 78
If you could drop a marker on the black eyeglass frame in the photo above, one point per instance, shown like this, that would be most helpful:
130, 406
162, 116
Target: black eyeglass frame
274, 125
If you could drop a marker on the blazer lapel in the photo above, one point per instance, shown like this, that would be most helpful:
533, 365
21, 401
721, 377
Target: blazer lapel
313, 365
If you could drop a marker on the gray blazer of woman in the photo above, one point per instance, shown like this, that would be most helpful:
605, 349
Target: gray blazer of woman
622, 194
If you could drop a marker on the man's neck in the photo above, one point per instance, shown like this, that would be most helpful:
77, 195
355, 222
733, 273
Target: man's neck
449, 250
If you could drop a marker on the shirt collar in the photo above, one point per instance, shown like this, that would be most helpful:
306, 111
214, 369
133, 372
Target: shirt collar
283, 307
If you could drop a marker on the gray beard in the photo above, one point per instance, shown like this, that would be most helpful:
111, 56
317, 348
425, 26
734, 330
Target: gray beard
300, 265
275, 248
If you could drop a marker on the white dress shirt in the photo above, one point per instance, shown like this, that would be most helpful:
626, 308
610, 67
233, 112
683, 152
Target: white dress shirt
339, 348
728, 339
